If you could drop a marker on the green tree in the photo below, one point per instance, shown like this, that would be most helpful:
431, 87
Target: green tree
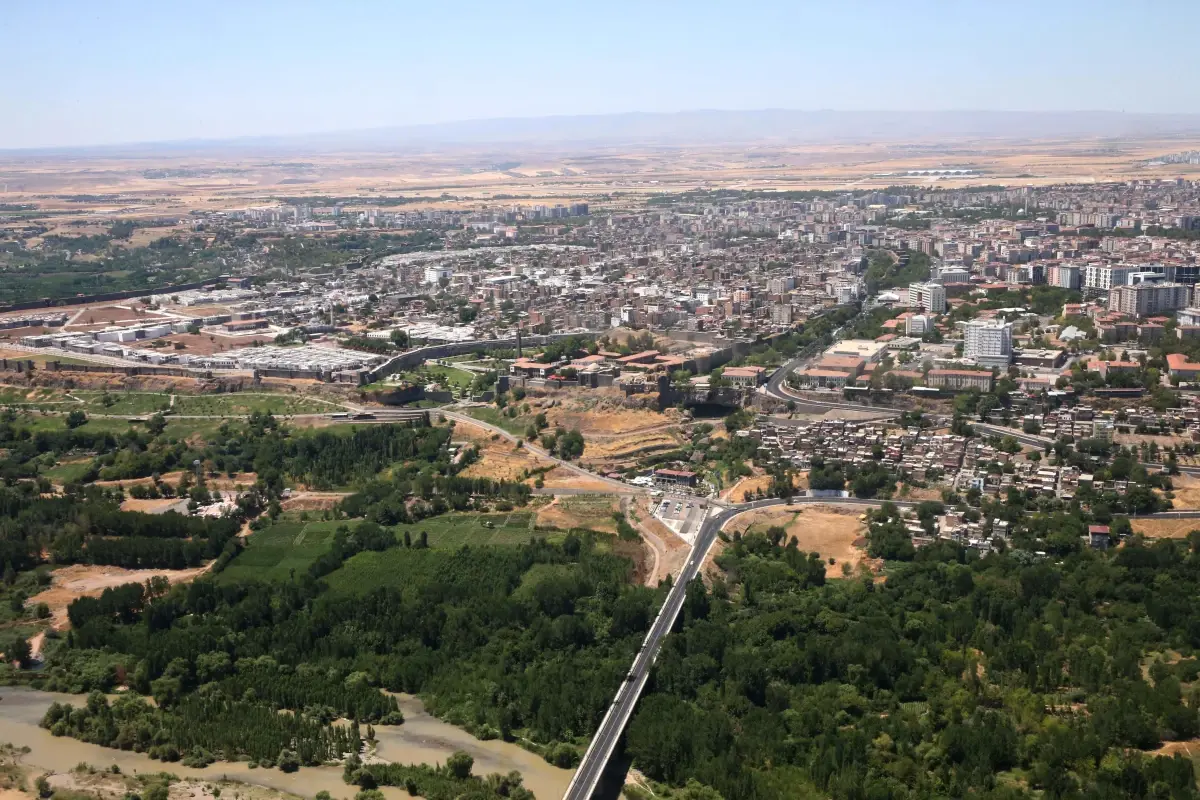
460, 764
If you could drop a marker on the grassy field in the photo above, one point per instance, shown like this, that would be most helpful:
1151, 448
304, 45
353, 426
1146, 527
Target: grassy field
243, 403
456, 378
493, 416
176, 428
67, 473
122, 403
451, 531
126, 403
22, 395
274, 553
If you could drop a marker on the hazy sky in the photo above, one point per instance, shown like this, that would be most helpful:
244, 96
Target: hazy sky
76, 72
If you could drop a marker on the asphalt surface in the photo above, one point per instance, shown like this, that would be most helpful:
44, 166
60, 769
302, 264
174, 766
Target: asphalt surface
587, 776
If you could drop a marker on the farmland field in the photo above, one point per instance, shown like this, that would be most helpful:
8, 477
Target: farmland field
452, 531
416, 571
276, 552
68, 472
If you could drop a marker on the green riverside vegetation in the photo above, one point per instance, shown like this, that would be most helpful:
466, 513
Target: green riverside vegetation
1043, 670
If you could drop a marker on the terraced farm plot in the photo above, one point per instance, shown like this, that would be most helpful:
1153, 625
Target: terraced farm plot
245, 403
274, 553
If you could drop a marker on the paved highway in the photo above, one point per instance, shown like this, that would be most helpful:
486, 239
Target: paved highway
587, 776
595, 760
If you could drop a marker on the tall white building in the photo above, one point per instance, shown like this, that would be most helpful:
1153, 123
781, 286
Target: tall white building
918, 325
1102, 277
988, 342
433, 275
929, 297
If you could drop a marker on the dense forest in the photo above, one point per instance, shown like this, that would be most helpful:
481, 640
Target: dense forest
1006, 676
526, 641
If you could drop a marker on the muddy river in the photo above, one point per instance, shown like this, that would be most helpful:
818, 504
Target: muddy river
421, 739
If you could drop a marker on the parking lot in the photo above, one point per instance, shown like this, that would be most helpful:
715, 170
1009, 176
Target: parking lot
682, 513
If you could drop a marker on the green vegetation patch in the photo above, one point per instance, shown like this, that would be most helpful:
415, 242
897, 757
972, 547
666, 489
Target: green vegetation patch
117, 403
452, 531
244, 404
275, 553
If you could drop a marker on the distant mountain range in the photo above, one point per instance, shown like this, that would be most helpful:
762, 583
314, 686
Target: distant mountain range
774, 126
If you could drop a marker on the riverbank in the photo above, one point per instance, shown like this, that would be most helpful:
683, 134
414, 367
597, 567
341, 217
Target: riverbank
421, 739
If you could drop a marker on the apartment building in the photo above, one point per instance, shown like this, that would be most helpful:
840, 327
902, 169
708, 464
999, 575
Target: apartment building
959, 379
1065, 276
988, 342
929, 297
1103, 277
918, 325
1145, 298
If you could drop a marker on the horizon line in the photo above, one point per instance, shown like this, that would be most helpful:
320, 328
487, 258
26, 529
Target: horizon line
266, 138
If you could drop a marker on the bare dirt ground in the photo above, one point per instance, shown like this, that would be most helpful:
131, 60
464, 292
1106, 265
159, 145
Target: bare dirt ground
103, 785
205, 344
70, 583
754, 483
907, 492
1187, 492
1135, 439
580, 511
201, 180
15, 334
669, 551
559, 478
1188, 749
313, 501
242, 480
615, 434
152, 506
107, 315
829, 530
1165, 528
746, 486
499, 458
